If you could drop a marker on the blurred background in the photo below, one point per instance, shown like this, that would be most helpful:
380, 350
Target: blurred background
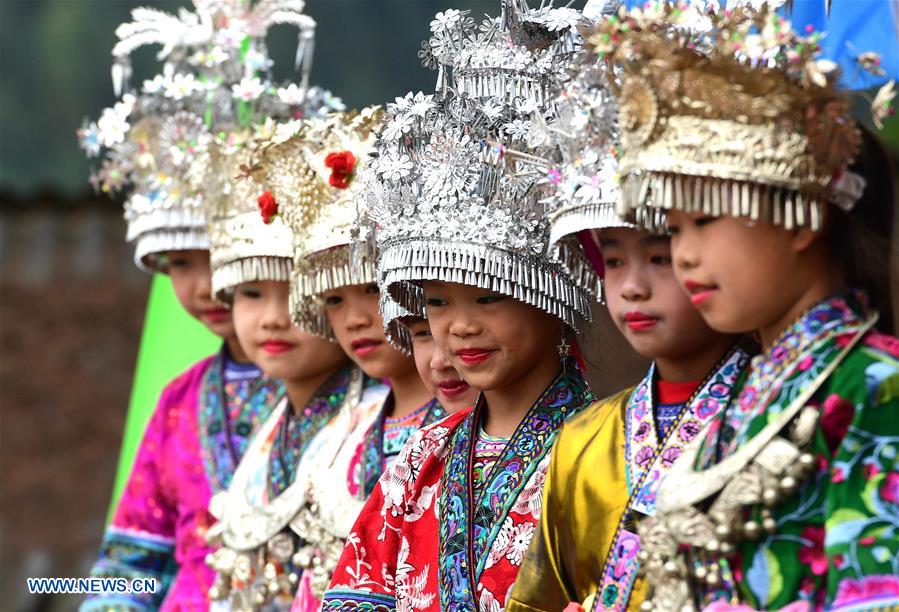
72, 304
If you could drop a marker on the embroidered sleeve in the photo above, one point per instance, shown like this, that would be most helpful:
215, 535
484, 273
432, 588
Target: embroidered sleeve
541, 583
861, 539
366, 574
140, 541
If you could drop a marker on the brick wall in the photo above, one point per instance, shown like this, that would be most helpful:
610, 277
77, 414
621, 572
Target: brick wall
71, 310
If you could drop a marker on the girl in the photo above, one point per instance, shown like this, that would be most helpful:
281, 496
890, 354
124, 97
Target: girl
312, 176
454, 215
412, 334
609, 461
155, 142
436, 370
788, 499
257, 560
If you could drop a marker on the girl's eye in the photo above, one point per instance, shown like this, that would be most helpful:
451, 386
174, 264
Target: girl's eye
673, 230
613, 262
660, 260
333, 300
178, 262
436, 302
422, 333
250, 292
701, 221
491, 299
372, 289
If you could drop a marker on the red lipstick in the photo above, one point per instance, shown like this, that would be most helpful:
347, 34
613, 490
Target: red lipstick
639, 321
474, 356
453, 388
216, 315
365, 346
275, 347
699, 292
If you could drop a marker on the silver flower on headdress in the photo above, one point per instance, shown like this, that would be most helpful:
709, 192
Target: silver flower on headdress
215, 80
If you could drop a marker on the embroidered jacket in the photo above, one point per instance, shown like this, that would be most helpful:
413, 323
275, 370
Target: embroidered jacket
425, 540
788, 500
836, 541
259, 524
198, 432
606, 469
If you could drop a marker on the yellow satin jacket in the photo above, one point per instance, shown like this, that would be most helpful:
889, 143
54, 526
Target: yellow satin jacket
584, 497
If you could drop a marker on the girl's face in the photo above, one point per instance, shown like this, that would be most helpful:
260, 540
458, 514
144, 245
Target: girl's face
491, 339
192, 280
645, 301
742, 275
271, 340
357, 324
438, 374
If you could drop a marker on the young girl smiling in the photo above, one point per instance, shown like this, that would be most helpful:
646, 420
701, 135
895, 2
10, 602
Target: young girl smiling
787, 500
456, 218
437, 371
258, 561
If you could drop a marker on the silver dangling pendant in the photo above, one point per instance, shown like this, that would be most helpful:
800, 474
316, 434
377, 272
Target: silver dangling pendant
564, 349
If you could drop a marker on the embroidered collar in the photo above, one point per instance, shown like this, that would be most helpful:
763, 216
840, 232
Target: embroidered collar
648, 459
470, 521
795, 358
373, 460
228, 415
295, 432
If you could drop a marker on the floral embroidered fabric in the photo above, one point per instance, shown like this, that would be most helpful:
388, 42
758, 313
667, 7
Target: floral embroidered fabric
392, 559
836, 544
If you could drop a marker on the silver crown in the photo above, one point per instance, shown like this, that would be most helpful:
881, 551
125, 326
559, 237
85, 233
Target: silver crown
216, 78
448, 202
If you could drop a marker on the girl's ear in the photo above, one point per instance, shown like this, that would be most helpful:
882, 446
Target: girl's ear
803, 238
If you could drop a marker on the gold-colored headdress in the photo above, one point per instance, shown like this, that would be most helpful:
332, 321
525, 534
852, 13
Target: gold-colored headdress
313, 177
727, 113
250, 240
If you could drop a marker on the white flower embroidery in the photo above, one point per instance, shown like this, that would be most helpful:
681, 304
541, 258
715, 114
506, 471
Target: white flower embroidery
358, 573
410, 588
524, 533
501, 543
421, 505
487, 602
530, 500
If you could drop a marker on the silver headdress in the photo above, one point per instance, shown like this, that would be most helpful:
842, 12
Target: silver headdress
313, 176
215, 79
249, 241
396, 322
448, 202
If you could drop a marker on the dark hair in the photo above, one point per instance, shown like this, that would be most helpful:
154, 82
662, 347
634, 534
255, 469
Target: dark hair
861, 240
